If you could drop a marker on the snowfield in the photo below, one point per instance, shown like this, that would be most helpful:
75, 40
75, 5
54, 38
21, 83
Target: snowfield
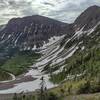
30, 86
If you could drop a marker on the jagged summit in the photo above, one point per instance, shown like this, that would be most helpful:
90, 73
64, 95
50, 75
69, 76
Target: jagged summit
89, 18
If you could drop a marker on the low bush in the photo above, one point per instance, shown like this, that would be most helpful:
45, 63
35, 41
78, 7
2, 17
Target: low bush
88, 87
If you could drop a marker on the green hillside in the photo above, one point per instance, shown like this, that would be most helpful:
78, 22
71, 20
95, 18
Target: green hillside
20, 62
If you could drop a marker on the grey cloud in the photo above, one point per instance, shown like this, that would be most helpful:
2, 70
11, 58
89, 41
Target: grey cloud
18, 5
9, 15
50, 4
72, 8
63, 10
28, 11
11, 8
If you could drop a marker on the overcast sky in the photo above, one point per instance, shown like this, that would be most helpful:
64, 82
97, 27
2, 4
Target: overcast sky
63, 10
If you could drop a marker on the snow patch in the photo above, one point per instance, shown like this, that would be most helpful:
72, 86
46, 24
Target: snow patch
34, 48
83, 48
17, 39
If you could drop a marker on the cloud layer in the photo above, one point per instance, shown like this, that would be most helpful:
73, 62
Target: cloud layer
63, 10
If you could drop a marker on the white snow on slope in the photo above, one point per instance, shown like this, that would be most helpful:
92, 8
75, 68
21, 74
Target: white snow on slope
71, 52
30, 86
2, 36
52, 40
34, 48
93, 29
17, 38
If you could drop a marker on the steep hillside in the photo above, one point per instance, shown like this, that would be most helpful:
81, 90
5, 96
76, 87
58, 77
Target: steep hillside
85, 38
85, 60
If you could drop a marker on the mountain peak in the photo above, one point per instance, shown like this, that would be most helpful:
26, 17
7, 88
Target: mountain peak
93, 7
89, 18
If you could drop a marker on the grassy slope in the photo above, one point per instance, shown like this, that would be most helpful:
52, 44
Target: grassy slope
83, 97
69, 91
20, 62
4, 76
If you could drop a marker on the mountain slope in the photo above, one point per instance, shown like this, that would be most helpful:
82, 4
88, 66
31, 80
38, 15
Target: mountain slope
77, 55
89, 18
65, 47
31, 31
72, 51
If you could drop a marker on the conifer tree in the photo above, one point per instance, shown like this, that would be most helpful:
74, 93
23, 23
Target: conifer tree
43, 89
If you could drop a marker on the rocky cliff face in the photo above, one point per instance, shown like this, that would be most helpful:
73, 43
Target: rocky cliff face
33, 30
